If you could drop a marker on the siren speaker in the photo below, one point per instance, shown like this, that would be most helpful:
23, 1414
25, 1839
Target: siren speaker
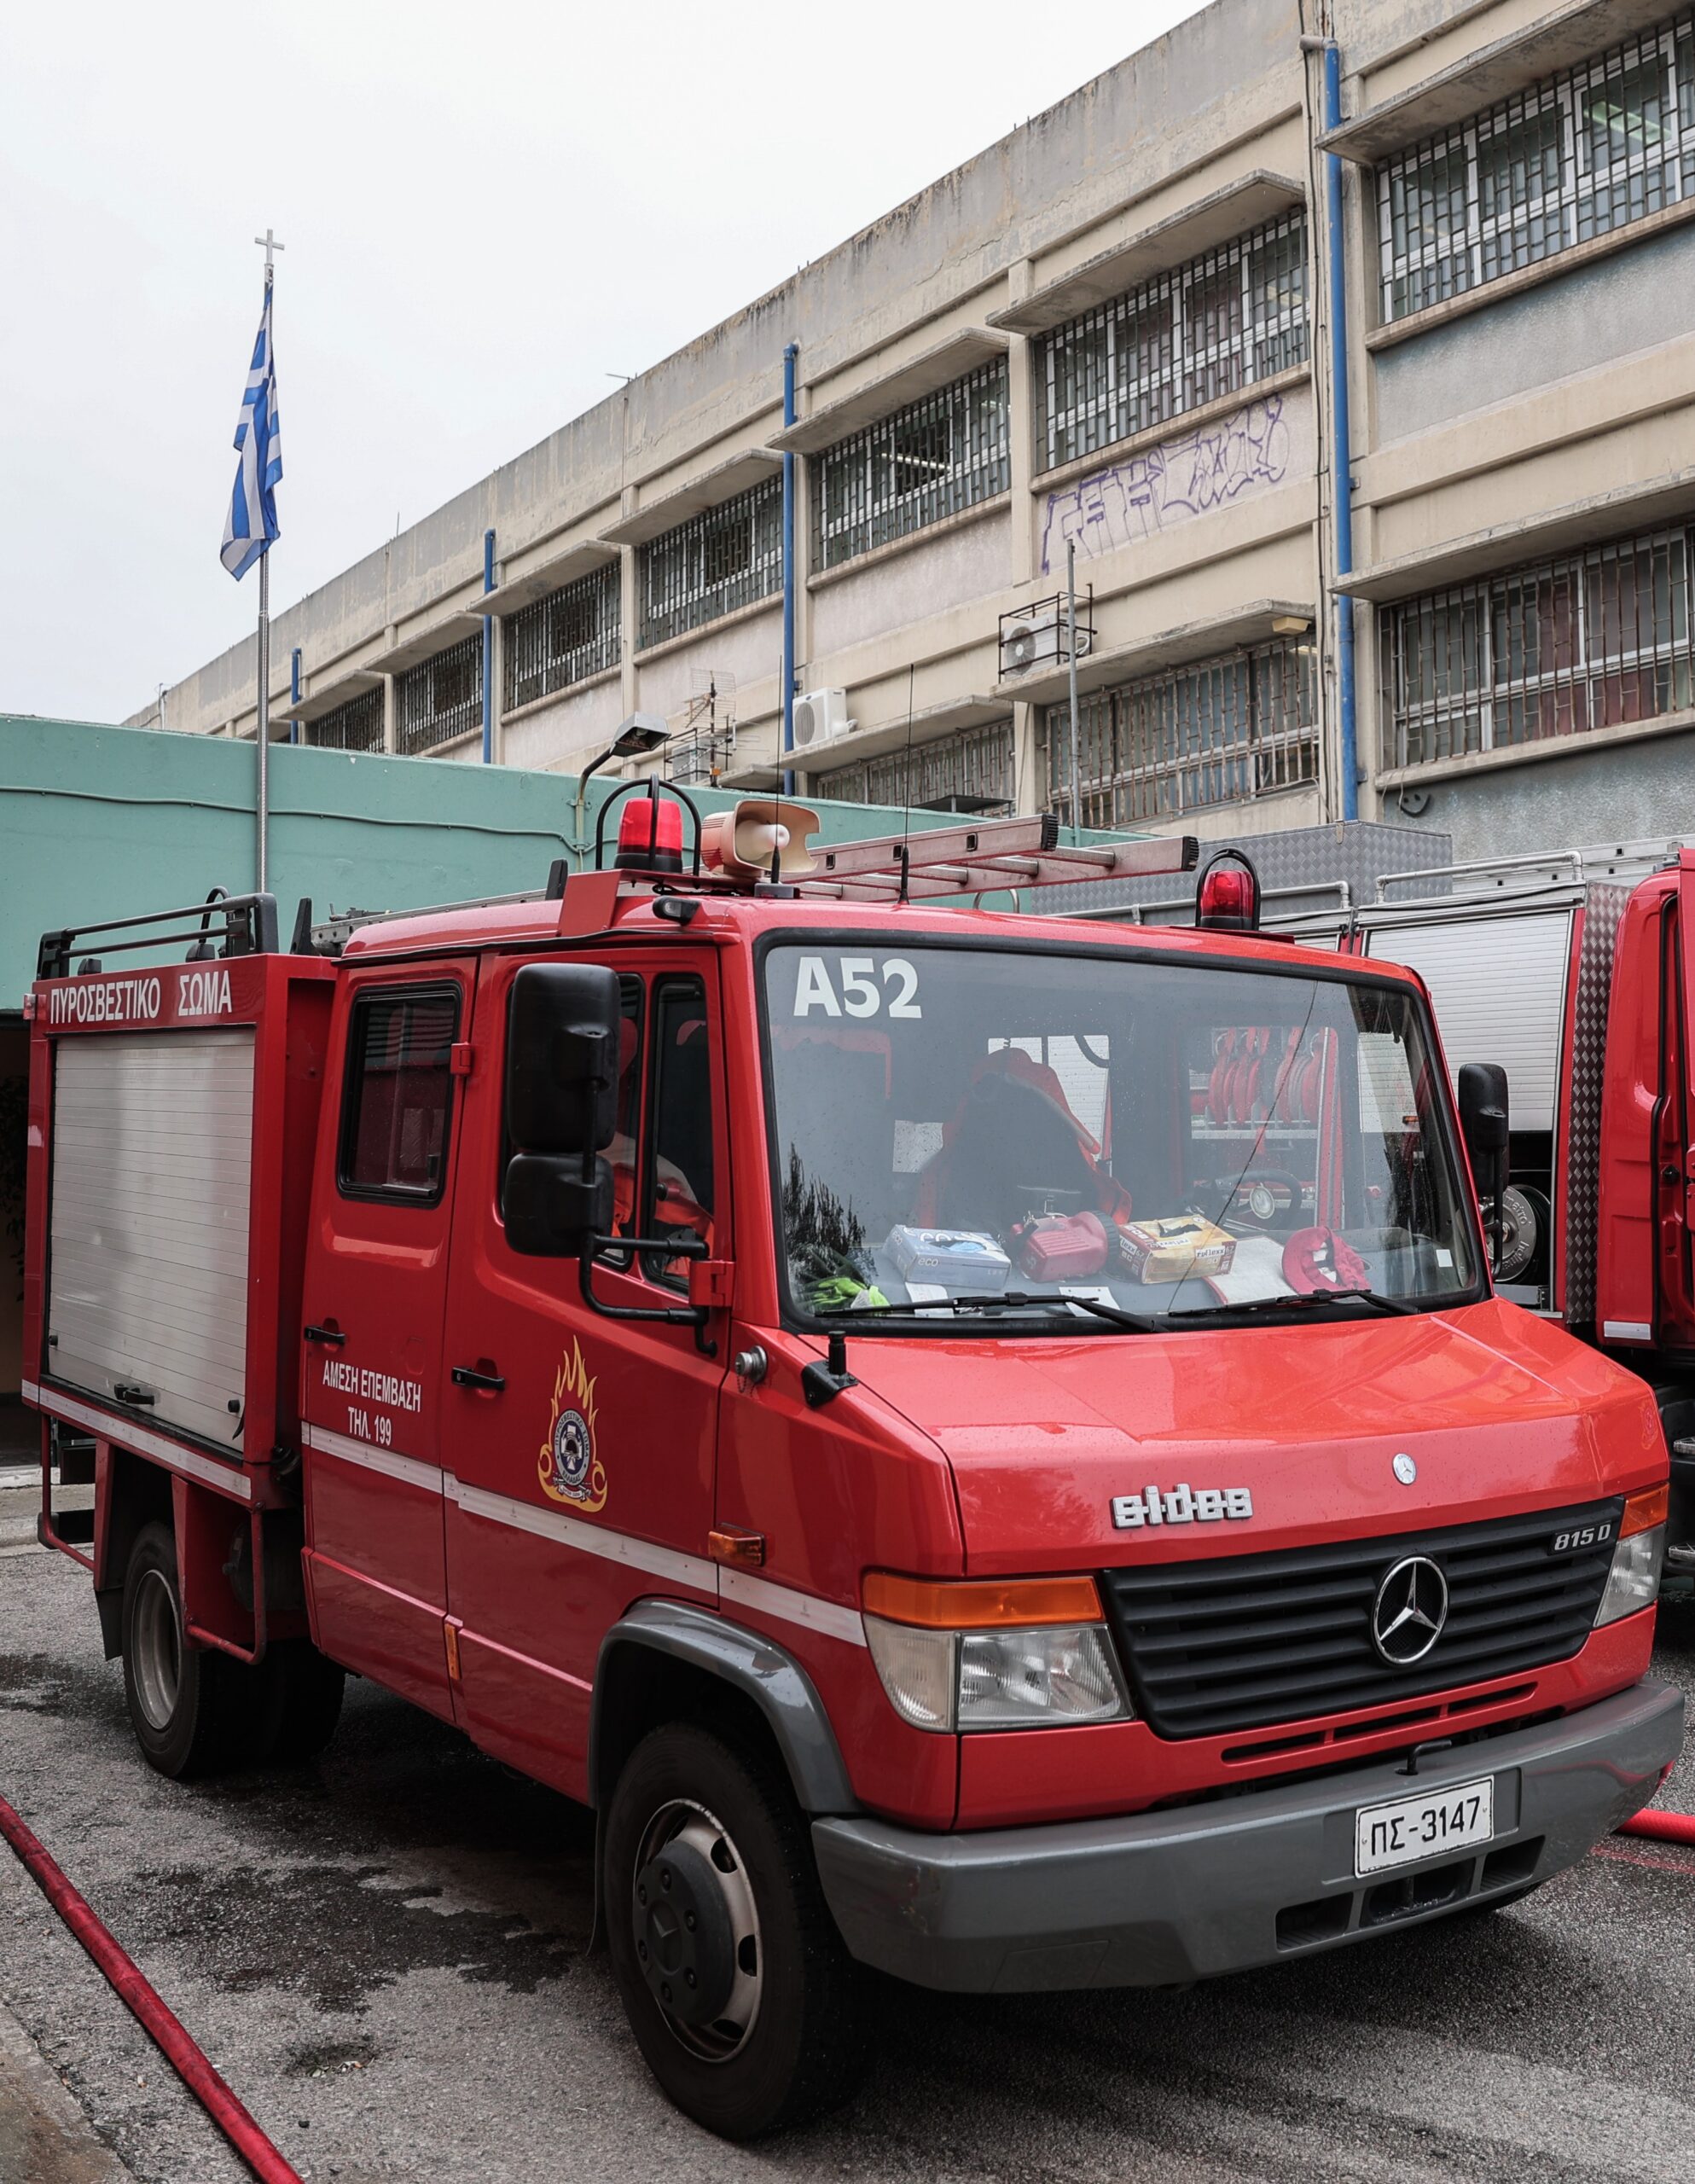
739, 843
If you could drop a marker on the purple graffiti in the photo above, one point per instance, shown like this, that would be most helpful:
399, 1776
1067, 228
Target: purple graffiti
1192, 475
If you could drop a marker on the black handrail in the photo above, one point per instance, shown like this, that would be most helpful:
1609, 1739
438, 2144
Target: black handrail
249, 928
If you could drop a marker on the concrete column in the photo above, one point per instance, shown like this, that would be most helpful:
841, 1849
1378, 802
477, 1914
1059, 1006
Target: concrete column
627, 629
498, 686
391, 715
1027, 767
1021, 422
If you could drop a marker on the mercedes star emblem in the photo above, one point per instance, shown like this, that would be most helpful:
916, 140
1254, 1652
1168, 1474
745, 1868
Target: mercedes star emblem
1409, 1610
1405, 1469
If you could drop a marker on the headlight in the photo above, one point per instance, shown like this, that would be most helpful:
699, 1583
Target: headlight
1633, 1580
981, 1655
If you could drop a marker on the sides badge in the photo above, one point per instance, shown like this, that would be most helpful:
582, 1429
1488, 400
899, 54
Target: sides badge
569, 1470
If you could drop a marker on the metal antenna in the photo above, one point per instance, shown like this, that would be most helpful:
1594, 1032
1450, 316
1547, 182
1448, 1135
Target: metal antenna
906, 821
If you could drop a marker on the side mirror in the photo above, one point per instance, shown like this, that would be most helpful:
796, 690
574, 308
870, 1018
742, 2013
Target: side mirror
551, 1208
561, 1059
1484, 1120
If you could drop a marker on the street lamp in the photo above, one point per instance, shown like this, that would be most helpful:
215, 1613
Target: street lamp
637, 736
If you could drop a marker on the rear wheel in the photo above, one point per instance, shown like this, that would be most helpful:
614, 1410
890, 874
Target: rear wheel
185, 1700
744, 2001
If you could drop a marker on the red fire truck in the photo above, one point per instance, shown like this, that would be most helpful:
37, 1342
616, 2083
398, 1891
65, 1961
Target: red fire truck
1571, 971
851, 1388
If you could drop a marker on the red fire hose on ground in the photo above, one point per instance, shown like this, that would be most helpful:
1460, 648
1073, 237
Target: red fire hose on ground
1663, 1826
162, 2028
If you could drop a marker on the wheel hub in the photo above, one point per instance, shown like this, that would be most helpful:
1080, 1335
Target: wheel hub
157, 1639
697, 1931
684, 1939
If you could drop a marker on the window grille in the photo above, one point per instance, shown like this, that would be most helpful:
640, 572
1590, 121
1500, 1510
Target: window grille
972, 770
1576, 156
439, 698
1586, 642
933, 458
1214, 326
356, 726
1222, 732
714, 563
571, 634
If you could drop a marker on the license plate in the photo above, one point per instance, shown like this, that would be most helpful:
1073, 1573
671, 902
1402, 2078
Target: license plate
1412, 1829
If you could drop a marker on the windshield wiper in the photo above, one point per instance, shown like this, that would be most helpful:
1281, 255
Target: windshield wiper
990, 1301
1297, 1301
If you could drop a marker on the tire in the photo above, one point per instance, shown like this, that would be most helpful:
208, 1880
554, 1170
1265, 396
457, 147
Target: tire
708, 1827
185, 1701
300, 1704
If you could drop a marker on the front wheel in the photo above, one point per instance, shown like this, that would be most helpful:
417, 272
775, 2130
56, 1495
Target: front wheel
744, 2001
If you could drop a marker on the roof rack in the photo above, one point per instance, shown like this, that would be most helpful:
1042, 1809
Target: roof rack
245, 925
331, 934
989, 855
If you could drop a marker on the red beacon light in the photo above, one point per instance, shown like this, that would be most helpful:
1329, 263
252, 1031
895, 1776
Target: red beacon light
650, 836
1227, 897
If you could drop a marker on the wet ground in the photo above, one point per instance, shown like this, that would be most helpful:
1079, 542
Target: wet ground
384, 1953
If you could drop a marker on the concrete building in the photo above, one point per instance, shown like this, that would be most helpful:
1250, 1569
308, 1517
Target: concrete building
1111, 333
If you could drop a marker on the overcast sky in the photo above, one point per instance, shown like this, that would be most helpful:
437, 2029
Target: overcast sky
486, 210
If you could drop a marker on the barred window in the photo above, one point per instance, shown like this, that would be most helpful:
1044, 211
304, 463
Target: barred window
571, 634
1578, 154
929, 460
1211, 327
714, 563
971, 771
356, 726
1590, 640
1222, 732
439, 698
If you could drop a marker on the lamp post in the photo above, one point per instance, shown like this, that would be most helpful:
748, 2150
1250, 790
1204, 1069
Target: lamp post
637, 736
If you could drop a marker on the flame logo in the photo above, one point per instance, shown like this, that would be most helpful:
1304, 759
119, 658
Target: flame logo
568, 1469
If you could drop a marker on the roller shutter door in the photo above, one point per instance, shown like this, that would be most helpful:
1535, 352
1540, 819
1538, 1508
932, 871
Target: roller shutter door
151, 1168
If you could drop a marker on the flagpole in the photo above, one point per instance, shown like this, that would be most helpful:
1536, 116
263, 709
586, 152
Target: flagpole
263, 798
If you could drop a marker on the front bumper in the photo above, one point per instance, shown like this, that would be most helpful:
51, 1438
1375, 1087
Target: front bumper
1163, 1898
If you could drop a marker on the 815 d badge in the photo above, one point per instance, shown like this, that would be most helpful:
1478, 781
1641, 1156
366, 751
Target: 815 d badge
569, 1470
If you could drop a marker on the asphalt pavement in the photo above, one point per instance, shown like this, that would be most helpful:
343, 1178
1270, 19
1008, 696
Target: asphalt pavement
385, 1955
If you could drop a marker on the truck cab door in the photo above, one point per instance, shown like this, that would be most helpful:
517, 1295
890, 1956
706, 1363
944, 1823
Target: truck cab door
580, 1450
375, 1292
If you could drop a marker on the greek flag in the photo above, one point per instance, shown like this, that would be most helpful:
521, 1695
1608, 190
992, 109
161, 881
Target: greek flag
250, 524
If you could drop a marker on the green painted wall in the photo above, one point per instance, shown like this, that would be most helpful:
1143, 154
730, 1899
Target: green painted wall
102, 822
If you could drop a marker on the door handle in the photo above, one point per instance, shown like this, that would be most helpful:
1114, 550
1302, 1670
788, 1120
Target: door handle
465, 1377
332, 1335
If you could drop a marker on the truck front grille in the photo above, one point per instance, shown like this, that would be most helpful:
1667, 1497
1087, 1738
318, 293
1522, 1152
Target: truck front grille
1254, 1640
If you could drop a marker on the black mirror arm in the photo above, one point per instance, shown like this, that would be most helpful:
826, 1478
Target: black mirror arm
671, 1316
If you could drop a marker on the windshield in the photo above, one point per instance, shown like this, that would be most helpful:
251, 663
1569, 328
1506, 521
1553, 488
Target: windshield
992, 1124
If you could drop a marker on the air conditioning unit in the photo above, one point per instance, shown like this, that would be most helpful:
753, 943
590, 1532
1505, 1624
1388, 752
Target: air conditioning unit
1038, 640
820, 717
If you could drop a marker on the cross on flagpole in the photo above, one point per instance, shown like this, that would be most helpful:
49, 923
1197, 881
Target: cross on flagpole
270, 245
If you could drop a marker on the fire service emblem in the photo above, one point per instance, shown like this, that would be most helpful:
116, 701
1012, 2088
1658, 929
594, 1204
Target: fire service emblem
569, 1470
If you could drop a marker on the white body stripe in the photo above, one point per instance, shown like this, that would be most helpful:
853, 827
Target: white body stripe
171, 1453
588, 1539
783, 1603
407, 1469
788, 1606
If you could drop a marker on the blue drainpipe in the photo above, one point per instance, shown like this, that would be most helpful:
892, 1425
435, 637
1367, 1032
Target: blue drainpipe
294, 692
488, 653
789, 355
1342, 464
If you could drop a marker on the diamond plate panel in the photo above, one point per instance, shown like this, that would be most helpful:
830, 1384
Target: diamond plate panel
1603, 908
